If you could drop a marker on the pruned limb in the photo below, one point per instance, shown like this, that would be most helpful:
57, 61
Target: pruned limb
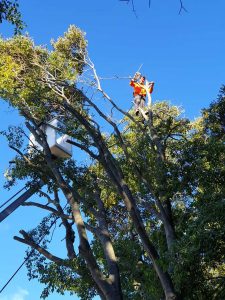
106, 96
82, 147
27, 160
52, 210
30, 242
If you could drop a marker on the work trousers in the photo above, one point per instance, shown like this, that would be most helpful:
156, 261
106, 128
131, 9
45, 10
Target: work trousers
139, 102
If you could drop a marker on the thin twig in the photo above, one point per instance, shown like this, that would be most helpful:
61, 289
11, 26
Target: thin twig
182, 7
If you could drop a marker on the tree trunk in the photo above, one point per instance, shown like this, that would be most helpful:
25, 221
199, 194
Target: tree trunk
115, 173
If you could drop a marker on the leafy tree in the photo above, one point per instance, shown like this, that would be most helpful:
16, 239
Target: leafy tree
202, 247
140, 193
9, 11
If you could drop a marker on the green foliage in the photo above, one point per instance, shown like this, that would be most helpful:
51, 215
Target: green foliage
193, 179
194, 175
135, 282
72, 276
9, 11
200, 250
26, 71
214, 123
186, 175
70, 51
61, 279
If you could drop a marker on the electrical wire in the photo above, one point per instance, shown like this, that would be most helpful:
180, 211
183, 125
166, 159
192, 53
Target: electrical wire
14, 274
28, 256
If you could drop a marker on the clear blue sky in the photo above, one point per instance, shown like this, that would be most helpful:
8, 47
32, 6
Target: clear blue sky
183, 54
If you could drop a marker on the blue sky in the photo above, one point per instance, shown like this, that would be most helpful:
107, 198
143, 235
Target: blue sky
183, 54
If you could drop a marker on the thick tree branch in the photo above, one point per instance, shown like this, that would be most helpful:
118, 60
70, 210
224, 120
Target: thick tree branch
28, 241
70, 235
82, 147
52, 210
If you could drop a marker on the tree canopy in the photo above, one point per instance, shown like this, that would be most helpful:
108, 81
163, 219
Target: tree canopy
142, 212
9, 11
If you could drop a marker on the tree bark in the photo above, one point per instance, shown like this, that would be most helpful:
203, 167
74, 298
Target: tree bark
115, 173
103, 283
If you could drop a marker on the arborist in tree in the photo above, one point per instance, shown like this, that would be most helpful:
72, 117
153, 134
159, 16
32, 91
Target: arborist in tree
140, 90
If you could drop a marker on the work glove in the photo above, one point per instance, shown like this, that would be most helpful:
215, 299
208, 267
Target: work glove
137, 75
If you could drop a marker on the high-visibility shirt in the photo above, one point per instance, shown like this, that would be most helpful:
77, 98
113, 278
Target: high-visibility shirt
139, 89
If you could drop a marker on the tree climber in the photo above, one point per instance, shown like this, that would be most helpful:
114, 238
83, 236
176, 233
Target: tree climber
140, 90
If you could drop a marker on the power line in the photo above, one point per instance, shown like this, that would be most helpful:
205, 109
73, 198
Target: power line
14, 274
28, 256
54, 222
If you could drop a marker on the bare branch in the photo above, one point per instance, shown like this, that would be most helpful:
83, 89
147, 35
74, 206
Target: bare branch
29, 241
115, 77
45, 207
99, 88
182, 7
23, 156
82, 147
